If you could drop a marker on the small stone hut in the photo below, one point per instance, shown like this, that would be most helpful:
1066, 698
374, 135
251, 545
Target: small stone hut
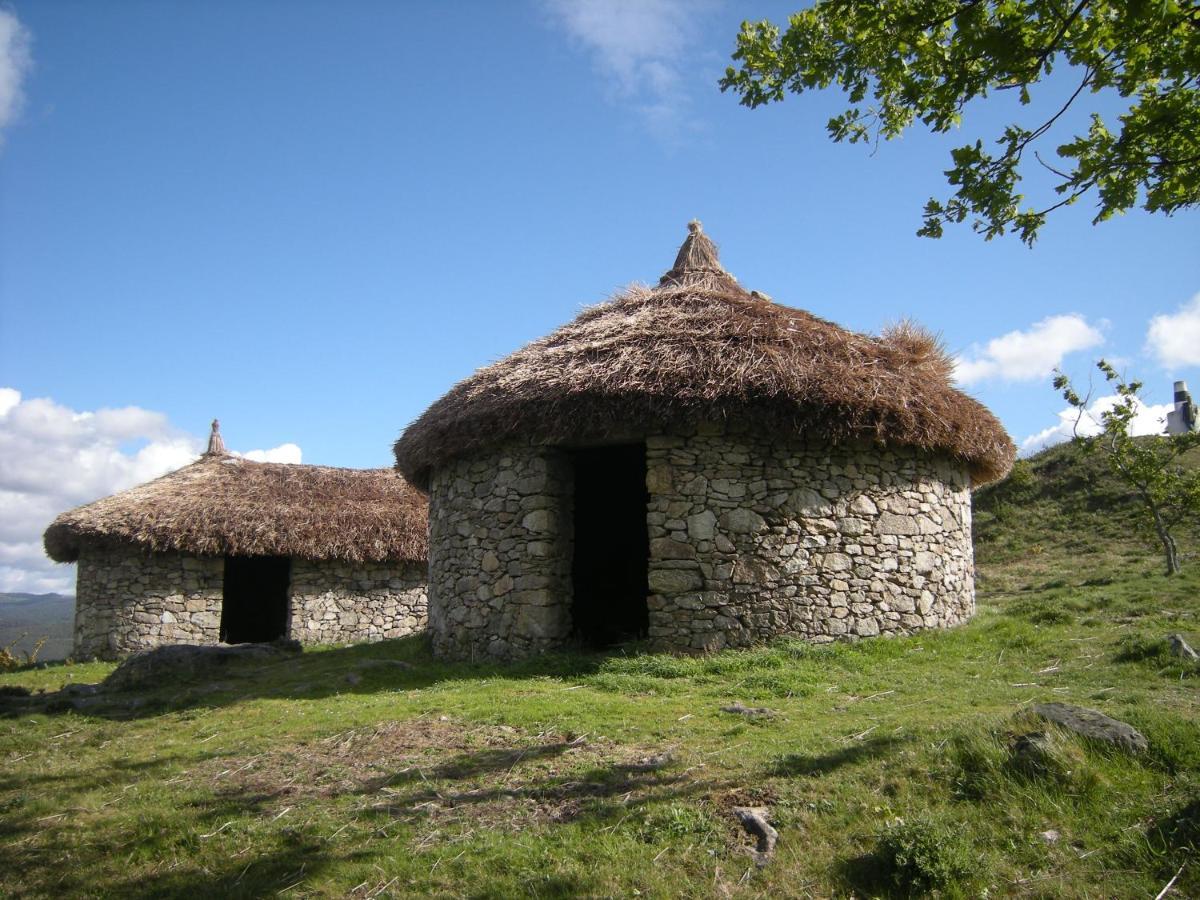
229, 550
697, 464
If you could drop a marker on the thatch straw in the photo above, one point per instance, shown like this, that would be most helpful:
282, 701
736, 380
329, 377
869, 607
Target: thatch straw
698, 348
224, 505
216, 443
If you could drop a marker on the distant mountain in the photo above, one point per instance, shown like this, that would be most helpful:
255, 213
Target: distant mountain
27, 618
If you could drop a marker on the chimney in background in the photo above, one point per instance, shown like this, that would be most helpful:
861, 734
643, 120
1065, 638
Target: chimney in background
1182, 419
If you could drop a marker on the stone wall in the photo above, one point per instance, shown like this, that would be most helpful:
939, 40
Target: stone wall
750, 539
334, 602
128, 600
500, 555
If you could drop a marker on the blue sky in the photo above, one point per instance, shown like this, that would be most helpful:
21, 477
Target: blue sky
310, 219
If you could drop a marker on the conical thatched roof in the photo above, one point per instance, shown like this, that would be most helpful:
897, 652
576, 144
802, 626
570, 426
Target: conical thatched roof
699, 347
225, 505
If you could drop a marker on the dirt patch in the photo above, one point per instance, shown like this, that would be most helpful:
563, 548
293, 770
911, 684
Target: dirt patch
437, 771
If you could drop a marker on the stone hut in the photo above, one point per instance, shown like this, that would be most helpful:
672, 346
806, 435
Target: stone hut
696, 464
228, 550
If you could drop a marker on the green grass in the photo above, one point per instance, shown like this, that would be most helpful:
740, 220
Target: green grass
888, 766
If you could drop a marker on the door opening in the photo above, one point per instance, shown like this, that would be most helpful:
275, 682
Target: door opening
612, 546
255, 603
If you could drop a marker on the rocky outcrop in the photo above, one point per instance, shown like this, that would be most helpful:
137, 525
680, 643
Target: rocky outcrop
1092, 724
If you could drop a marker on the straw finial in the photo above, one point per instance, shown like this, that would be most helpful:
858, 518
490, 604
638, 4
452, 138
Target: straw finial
216, 444
697, 261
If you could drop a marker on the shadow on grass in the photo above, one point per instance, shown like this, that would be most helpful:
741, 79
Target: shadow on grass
797, 764
168, 845
404, 664
496, 786
152, 844
475, 764
869, 875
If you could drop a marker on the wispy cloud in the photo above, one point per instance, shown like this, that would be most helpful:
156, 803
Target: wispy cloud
15, 60
53, 458
1148, 420
1027, 355
1174, 339
641, 48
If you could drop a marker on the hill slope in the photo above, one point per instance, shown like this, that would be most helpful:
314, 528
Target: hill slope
25, 619
1061, 514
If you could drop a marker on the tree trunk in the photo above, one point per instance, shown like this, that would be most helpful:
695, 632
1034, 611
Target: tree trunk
1168, 542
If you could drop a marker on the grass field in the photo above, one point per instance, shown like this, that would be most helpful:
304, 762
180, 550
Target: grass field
886, 764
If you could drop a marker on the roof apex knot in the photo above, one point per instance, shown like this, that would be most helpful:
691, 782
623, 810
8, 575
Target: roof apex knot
696, 261
216, 444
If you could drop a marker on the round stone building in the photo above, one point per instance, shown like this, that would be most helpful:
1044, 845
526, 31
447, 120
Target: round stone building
229, 550
696, 464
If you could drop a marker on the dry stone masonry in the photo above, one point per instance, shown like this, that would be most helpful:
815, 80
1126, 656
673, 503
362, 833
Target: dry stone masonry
750, 538
128, 600
500, 555
336, 602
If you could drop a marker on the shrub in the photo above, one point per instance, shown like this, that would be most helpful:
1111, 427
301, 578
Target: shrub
925, 854
11, 661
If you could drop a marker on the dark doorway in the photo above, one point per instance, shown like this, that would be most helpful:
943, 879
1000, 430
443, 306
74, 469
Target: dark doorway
612, 547
255, 605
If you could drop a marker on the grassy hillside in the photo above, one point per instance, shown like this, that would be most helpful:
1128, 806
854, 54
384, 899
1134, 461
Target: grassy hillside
1060, 514
887, 765
29, 619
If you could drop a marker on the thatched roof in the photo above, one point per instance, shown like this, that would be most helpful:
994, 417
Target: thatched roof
700, 347
225, 505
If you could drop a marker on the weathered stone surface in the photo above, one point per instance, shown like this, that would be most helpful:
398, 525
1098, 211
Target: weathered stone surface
755, 820
128, 600
742, 521
863, 505
543, 622
1181, 648
1091, 723
185, 662
890, 523
750, 537
824, 542
669, 548
702, 525
500, 588
675, 581
752, 712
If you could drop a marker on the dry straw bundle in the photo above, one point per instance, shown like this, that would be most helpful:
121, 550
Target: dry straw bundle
699, 347
225, 505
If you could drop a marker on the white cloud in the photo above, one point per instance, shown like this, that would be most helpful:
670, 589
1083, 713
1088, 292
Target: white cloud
1149, 420
1028, 355
1175, 339
642, 48
53, 458
15, 61
284, 453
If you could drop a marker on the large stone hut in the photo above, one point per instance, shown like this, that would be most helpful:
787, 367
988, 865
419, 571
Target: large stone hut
699, 465
230, 550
